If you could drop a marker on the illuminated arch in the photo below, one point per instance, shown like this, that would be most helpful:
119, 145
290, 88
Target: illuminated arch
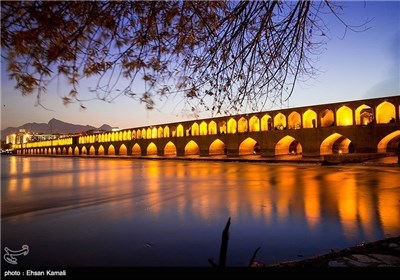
133, 135
92, 151
242, 125
136, 150
254, 124
54, 151
144, 133
280, 121
327, 118
111, 150
266, 123
160, 132
123, 151
179, 131
203, 128
222, 126
385, 112
64, 151
232, 125
84, 151
152, 149
309, 119
248, 147
212, 128
124, 137
389, 143
149, 133
344, 116
195, 129
154, 133
217, 147
76, 151
294, 120
166, 132
336, 144
59, 151
139, 134
120, 136
288, 146
170, 149
100, 152
192, 148
364, 115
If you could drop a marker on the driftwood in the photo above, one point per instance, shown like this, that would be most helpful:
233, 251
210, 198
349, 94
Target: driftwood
224, 248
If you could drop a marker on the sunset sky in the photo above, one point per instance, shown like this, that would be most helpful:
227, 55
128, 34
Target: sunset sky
362, 65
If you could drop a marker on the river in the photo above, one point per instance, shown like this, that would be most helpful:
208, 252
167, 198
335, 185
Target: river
131, 212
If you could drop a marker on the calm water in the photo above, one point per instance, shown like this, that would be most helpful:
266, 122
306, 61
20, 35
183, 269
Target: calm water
114, 212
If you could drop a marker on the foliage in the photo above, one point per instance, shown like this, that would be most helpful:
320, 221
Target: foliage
222, 56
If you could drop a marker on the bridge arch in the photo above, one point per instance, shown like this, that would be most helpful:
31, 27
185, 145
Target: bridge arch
170, 149
58, 151
212, 128
254, 124
294, 120
288, 145
327, 118
309, 119
151, 149
217, 147
389, 143
203, 128
92, 151
222, 127
179, 131
76, 151
280, 121
54, 151
123, 151
249, 146
242, 125
192, 148
154, 133
149, 133
194, 129
100, 152
266, 123
336, 144
111, 150
64, 151
385, 112
160, 132
136, 150
166, 131
84, 151
232, 125
344, 116
364, 115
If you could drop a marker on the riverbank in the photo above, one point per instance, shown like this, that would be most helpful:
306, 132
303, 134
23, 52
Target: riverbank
381, 253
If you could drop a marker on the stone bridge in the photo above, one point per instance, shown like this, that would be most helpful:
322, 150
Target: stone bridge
361, 126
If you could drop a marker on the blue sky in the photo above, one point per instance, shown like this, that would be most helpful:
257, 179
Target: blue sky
362, 65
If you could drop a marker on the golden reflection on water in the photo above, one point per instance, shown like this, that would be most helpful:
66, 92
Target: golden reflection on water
362, 201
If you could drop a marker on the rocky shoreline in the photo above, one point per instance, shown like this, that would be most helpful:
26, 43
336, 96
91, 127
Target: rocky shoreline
381, 253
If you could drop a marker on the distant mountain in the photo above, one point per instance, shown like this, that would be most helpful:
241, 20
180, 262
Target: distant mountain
53, 126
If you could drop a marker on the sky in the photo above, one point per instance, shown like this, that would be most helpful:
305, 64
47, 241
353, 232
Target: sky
359, 66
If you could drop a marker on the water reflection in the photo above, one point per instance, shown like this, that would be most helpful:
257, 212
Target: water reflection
142, 198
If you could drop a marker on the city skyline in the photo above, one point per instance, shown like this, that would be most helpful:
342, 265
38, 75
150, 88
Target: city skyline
360, 66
